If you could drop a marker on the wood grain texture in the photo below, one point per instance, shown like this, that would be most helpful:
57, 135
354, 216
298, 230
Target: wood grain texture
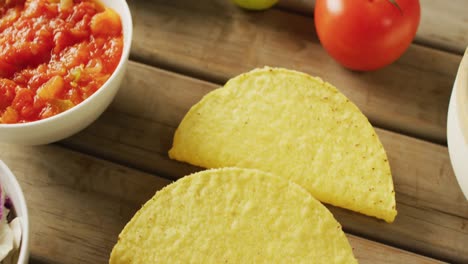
79, 204
410, 96
444, 24
138, 131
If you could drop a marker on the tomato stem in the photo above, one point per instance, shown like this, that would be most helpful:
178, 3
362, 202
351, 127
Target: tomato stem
393, 2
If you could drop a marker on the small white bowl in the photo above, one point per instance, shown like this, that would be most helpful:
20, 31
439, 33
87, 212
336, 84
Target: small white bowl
80, 116
457, 126
13, 190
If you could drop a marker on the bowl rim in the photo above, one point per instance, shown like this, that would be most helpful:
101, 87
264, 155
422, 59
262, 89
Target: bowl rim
460, 92
125, 54
24, 248
457, 147
457, 140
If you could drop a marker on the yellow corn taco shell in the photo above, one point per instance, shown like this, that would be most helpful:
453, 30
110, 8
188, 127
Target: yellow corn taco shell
232, 215
295, 126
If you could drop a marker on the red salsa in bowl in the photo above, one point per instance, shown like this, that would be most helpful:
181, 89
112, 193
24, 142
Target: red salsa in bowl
53, 55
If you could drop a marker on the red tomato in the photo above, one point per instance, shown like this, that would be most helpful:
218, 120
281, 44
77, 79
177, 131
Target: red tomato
366, 34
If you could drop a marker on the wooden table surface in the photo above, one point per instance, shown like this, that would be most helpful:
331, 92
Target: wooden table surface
83, 190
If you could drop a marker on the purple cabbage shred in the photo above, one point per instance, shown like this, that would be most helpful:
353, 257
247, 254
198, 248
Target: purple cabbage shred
8, 203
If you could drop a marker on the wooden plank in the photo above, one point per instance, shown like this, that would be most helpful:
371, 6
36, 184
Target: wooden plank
305, 7
78, 205
381, 253
138, 131
443, 25
410, 96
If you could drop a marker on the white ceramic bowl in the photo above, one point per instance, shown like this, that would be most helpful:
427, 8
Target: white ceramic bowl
80, 116
13, 190
457, 126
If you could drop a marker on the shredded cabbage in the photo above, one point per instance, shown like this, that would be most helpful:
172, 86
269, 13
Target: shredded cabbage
10, 232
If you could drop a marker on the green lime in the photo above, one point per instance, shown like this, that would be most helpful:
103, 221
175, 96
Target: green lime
255, 4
